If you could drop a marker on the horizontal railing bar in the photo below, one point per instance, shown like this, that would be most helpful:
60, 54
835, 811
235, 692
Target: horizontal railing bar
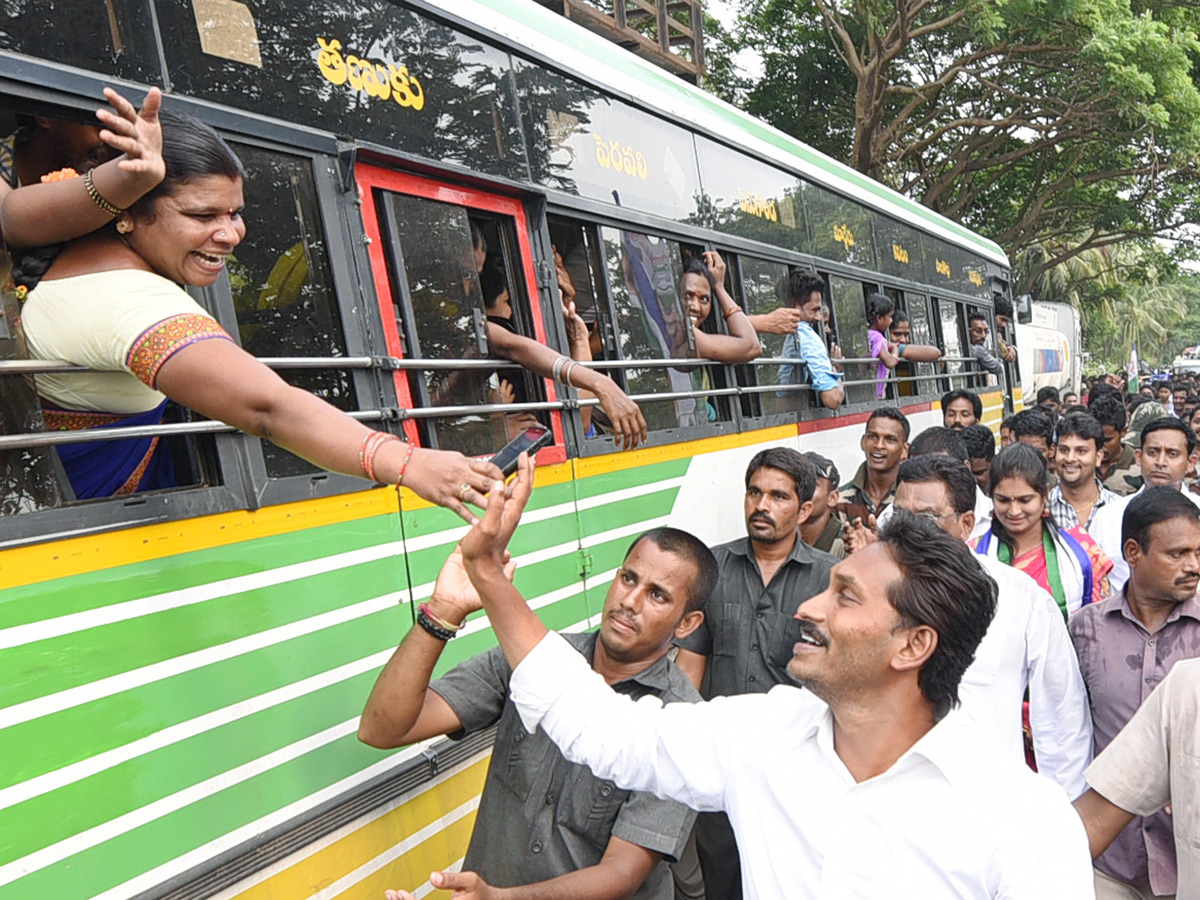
46, 367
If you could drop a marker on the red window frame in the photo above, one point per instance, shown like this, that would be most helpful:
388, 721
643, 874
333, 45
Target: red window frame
371, 177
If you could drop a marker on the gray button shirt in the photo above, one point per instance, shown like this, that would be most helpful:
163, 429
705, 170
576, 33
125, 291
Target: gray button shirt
541, 816
749, 630
1122, 664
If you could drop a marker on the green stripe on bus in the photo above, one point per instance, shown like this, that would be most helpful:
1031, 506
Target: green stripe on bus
84, 657
76, 593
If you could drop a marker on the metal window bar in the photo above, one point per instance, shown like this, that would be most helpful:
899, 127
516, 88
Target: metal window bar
55, 438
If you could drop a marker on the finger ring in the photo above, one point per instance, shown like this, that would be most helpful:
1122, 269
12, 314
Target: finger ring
463, 490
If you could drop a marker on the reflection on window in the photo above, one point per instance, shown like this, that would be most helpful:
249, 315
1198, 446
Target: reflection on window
644, 272
283, 288
447, 318
951, 341
114, 37
761, 281
849, 309
920, 333
576, 246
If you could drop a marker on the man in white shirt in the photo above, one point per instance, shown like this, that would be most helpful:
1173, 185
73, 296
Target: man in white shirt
1167, 453
1026, 646
883, 792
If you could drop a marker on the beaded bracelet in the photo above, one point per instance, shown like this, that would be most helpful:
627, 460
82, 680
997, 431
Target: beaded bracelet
110, 208
434, 630
439, 621
404, 465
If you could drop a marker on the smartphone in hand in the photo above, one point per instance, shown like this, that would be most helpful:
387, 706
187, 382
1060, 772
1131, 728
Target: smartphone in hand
528, 441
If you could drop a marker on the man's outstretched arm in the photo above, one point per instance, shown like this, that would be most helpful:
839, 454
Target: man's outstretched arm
681, 751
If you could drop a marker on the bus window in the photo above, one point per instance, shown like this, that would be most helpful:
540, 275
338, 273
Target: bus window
953, 342
644, 275
282, 287
917, 308
761, 292
578, 251
849, 309
458, 265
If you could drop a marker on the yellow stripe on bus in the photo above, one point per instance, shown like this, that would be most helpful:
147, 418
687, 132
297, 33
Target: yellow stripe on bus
75, 556
615, 462
319, 870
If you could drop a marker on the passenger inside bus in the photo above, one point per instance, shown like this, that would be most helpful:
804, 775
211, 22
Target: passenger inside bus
623, 416
702, 278
110, 302
804, 290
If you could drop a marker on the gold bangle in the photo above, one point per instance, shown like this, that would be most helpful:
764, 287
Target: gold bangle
92, 192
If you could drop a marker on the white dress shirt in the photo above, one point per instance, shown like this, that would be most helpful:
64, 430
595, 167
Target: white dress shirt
1027, 645
952, 818
1105, 529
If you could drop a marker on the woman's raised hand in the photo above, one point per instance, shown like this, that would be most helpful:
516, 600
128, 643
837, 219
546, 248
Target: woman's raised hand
136, 133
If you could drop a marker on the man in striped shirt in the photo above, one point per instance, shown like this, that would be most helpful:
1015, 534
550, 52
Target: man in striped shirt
1077, 453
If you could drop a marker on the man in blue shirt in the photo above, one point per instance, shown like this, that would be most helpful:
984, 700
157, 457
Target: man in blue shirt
804, 289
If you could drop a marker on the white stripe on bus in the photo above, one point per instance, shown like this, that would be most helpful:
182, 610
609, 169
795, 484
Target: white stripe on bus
59, 626
105, 831
85, 768
252, 830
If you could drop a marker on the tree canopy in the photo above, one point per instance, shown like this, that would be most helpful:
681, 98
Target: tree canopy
1067, 125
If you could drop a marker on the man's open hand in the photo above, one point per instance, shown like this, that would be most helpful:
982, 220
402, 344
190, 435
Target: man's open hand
485, 548
465, 885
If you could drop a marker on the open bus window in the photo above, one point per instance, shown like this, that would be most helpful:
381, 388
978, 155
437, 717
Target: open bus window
645, 274
849, 308
764, 289
282, 286
577, 248
459, 267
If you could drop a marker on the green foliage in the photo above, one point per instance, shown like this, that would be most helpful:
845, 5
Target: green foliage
1032, 121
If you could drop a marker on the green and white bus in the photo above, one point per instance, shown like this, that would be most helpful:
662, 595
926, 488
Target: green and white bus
181, 672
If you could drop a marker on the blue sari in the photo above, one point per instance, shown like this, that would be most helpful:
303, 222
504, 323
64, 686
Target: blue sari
111, 468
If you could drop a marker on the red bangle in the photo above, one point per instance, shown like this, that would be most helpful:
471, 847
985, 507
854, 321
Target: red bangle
369, 447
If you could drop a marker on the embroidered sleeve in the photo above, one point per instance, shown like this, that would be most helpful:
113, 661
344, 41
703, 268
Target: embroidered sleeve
161, 341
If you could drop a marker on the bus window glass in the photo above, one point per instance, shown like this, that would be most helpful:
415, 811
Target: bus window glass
578, 257
840, 228
598, 147
115, 37
849, 309
761, 280
749, 198
448, 317
952, 343
372, 69
644, 273
916, 305
282, 286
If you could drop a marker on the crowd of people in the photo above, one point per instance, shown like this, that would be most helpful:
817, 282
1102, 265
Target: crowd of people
857, 694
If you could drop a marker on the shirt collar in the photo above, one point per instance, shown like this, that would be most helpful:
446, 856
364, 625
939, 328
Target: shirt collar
1119, 605
801, 552
656, 676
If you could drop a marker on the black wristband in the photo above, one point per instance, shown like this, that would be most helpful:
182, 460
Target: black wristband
435, 630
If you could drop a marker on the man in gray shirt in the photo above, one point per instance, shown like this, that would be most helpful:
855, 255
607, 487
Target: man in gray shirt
977, 329
745, 642
547, 827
